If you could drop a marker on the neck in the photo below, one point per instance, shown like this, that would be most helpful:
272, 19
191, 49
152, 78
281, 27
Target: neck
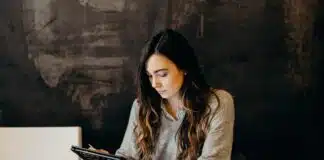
172, 105
175, 102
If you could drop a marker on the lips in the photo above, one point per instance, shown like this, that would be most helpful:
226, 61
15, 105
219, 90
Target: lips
161, 91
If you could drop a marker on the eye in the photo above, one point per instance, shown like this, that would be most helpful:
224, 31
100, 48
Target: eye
163, 74
149, 76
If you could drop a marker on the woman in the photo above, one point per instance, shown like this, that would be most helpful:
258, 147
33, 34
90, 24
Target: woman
176, 115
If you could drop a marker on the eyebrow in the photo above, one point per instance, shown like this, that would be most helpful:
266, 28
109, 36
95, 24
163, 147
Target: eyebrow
159, 70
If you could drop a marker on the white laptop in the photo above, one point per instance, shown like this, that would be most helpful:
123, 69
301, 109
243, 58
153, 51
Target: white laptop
39, 143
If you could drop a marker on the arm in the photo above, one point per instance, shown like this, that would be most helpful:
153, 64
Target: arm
219, 139
128, 145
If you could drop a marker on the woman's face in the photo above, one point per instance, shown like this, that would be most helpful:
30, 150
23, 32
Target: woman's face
164, 75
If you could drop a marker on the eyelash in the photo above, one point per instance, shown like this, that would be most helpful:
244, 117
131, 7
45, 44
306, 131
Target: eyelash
161, 75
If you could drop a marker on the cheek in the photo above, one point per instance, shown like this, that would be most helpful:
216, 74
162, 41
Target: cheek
175, 82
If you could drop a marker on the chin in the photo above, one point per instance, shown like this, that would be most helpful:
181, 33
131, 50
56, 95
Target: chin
165, 96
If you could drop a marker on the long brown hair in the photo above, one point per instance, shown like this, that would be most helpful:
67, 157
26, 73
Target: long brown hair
195, 92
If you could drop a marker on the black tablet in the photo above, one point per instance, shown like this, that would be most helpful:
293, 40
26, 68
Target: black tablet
87, 154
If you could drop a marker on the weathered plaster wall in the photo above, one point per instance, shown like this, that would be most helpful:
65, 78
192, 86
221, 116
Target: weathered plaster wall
72, 63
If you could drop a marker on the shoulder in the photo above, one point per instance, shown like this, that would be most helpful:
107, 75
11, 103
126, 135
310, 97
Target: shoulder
222, 107
135, 107
223, 96
220, 95
221, 99
135, 103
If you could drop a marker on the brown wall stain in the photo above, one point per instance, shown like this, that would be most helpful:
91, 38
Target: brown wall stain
73, 63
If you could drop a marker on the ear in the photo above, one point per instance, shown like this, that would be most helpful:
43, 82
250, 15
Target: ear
184, 72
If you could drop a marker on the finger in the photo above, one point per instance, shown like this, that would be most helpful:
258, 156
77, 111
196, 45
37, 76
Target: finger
102, 151
91, 147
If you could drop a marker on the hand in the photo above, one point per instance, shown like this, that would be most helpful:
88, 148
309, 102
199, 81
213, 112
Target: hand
98, 150
102, 151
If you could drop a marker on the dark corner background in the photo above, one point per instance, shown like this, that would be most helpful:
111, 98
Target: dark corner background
72, 62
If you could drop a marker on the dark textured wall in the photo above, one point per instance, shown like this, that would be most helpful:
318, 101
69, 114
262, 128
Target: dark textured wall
70, 63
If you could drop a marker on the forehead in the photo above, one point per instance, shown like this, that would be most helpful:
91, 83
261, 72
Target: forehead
157, 62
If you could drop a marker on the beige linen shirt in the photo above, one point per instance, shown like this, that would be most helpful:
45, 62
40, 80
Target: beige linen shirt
218, 142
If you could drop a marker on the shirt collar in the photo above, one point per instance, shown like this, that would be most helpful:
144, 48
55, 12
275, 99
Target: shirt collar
180, 113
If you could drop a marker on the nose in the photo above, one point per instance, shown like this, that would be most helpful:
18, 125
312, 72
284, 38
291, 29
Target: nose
155, 82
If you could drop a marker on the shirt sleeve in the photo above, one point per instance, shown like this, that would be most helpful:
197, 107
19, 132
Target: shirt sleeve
219, 139
128, 146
